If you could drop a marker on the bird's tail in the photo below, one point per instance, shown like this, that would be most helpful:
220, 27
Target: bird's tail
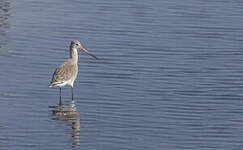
50, 84
53, 84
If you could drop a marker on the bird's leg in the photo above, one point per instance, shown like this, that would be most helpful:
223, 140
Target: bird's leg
72, 94
60, 94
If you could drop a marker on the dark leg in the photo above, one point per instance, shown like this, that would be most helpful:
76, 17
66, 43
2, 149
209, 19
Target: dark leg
72, 93
60, 94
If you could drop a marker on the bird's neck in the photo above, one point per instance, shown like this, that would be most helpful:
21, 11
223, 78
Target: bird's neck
74, 54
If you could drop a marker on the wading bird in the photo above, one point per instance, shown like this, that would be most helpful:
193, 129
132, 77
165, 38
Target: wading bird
67, 72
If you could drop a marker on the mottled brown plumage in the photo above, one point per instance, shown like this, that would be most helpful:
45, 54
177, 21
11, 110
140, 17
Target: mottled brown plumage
66, 73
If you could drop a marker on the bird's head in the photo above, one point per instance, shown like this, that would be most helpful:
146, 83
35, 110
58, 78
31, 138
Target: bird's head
77, 45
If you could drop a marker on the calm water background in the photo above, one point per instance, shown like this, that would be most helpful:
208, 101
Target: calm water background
170, 75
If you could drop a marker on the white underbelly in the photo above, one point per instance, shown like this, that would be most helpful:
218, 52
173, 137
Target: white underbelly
69, 82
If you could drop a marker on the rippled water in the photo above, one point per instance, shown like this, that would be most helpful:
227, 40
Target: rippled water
169, 75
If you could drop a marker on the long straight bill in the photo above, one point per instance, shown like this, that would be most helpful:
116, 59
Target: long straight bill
87, 52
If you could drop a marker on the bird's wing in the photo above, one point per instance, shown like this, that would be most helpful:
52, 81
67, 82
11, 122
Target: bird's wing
63, 73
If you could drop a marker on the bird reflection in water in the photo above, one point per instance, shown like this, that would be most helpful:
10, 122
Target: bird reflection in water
68, 116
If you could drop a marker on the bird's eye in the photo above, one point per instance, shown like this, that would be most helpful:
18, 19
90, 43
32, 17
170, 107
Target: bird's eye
77, 44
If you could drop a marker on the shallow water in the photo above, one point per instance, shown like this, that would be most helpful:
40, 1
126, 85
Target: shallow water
169, 75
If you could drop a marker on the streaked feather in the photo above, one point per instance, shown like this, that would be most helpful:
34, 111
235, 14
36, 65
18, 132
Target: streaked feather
67, 71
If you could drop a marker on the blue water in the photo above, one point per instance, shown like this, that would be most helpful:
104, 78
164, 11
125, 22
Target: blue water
169, 75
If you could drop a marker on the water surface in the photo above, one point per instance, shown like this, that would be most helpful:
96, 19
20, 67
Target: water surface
169, 75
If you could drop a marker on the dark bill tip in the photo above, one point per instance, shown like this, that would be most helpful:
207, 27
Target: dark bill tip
87, 52
93, 56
